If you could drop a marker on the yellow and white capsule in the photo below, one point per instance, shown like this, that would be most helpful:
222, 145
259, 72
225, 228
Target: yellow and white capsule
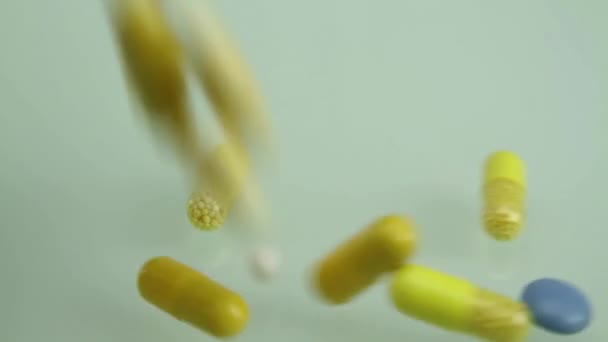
192, 297
153, 61
356, 264
225, 177
504, 191
227, 79
458, 305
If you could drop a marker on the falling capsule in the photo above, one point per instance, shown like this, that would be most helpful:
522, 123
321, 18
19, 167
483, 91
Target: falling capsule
228, 80
458, 305
356, 264
192, 297
153, 63
504, 192
225, 177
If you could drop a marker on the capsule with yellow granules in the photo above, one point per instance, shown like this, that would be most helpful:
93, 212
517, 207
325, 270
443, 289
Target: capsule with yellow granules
458, 305
504, 191
192, 297
356, 264
225, 176
153, 61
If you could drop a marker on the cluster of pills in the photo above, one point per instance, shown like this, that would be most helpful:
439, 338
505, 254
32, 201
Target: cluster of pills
157, 50
555, 305
154, 58
420, 292
445, 300
156, 54
384, 247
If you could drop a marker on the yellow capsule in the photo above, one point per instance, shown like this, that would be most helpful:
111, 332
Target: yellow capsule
228, 80
504, 192
356, 264
192, 297
458, 305
153, 61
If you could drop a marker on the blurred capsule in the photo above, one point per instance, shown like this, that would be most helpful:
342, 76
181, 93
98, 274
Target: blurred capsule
228, 80
504, 191
153, 63
458, 305
192, 297
225, 177
222, 178
356, 264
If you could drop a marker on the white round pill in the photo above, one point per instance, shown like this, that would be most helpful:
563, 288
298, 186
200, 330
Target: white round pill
265, 262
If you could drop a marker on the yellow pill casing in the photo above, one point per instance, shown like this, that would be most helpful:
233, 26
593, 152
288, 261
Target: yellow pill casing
356, 264
458, 305
504, 191
192, 297
153, 61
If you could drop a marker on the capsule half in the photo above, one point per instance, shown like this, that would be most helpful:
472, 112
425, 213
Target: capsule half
356, 264
192, 297
504, 190
458, 305
225, 177
222, 177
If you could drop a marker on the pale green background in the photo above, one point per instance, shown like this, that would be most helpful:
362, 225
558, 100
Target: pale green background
381, 106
